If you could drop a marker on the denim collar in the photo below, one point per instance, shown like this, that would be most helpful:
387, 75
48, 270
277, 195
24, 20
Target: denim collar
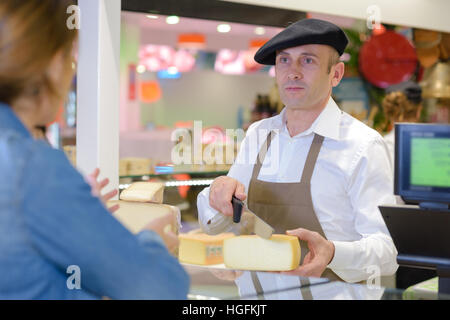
9, 121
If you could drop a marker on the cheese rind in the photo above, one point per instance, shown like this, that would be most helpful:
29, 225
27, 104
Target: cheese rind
201, 248
251, 252
135, 216
144, 192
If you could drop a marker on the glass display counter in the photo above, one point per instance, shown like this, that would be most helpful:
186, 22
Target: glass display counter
217, 283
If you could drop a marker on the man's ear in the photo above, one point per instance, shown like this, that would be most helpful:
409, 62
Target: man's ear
338, 72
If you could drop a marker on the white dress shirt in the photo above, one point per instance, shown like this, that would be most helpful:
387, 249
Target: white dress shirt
352, 177
389, 138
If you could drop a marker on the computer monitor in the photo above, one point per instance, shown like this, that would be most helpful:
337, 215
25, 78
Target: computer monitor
422, 164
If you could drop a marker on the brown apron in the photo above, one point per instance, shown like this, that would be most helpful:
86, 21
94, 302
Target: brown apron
287, 206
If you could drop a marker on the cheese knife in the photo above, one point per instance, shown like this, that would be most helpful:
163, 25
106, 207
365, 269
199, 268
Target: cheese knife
259, 227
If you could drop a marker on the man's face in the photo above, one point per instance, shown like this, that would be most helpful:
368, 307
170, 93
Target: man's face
302, 75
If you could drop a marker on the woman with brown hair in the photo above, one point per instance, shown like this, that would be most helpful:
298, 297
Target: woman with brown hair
402, 103
57, 240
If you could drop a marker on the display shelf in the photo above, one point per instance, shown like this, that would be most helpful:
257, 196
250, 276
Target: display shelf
191, 173
197, 177
192, 170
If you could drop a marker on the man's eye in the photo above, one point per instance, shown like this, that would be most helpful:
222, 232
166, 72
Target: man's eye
283, 60
308, 60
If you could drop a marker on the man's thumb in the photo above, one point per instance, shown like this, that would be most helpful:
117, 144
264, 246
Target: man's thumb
240, 192
301, 233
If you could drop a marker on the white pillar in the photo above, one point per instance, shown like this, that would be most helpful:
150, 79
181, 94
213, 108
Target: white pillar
98, 88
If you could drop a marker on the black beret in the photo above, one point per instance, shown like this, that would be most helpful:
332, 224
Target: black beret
306, 31
412, 90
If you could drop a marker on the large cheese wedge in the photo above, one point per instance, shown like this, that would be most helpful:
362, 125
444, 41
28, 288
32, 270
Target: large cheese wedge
251, 252
144, 192
135, 216
201, 248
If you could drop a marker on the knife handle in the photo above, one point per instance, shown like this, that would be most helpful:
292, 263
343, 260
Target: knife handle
238, 205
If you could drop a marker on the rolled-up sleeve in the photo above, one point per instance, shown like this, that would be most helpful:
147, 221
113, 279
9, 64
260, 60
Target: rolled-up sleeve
68, 226
211, 221
370, 185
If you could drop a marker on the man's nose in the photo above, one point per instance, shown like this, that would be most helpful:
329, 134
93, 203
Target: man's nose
295, 75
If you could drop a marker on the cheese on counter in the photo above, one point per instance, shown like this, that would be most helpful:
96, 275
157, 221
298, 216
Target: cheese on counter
201, 248
135, 166
123, 167
144, 192
135, 216
251, 252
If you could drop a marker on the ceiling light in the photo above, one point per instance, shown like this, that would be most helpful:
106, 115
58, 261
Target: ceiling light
140, 68
172, 19
223, 28
152, 16
260, 31
172, 70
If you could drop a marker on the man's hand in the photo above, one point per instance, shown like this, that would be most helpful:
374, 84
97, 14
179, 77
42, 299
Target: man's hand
227, 275
163, 227
96, 189
221, 191
321, 252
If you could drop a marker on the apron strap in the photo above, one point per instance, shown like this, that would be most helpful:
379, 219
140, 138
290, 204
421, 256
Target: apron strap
262, 154
258, 288
312, 157
310, 160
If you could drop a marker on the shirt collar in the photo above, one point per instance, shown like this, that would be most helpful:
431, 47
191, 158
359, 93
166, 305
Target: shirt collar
326, 124
9, 120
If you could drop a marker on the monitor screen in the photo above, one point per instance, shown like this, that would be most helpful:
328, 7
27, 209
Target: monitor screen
422, 162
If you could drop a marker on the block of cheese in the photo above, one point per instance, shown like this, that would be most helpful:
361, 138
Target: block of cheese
201, 248
251, 252
123, 167
144, 192
135, 216
137, 166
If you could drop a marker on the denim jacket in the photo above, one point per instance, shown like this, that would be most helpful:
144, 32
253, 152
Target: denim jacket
57, 241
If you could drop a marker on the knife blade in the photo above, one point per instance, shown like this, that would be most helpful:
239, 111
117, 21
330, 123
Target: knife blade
259, 227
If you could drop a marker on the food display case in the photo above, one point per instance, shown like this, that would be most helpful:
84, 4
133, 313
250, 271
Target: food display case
216, 283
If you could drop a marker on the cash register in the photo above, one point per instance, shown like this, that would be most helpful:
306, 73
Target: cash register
420, 228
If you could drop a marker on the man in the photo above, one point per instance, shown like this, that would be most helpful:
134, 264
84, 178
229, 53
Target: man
329, 174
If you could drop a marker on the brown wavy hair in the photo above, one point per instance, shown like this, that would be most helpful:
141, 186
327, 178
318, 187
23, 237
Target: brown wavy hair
32, 32
397, 108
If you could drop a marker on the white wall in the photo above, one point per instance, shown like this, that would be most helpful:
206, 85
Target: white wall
426, 14
205, 95
213, 42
